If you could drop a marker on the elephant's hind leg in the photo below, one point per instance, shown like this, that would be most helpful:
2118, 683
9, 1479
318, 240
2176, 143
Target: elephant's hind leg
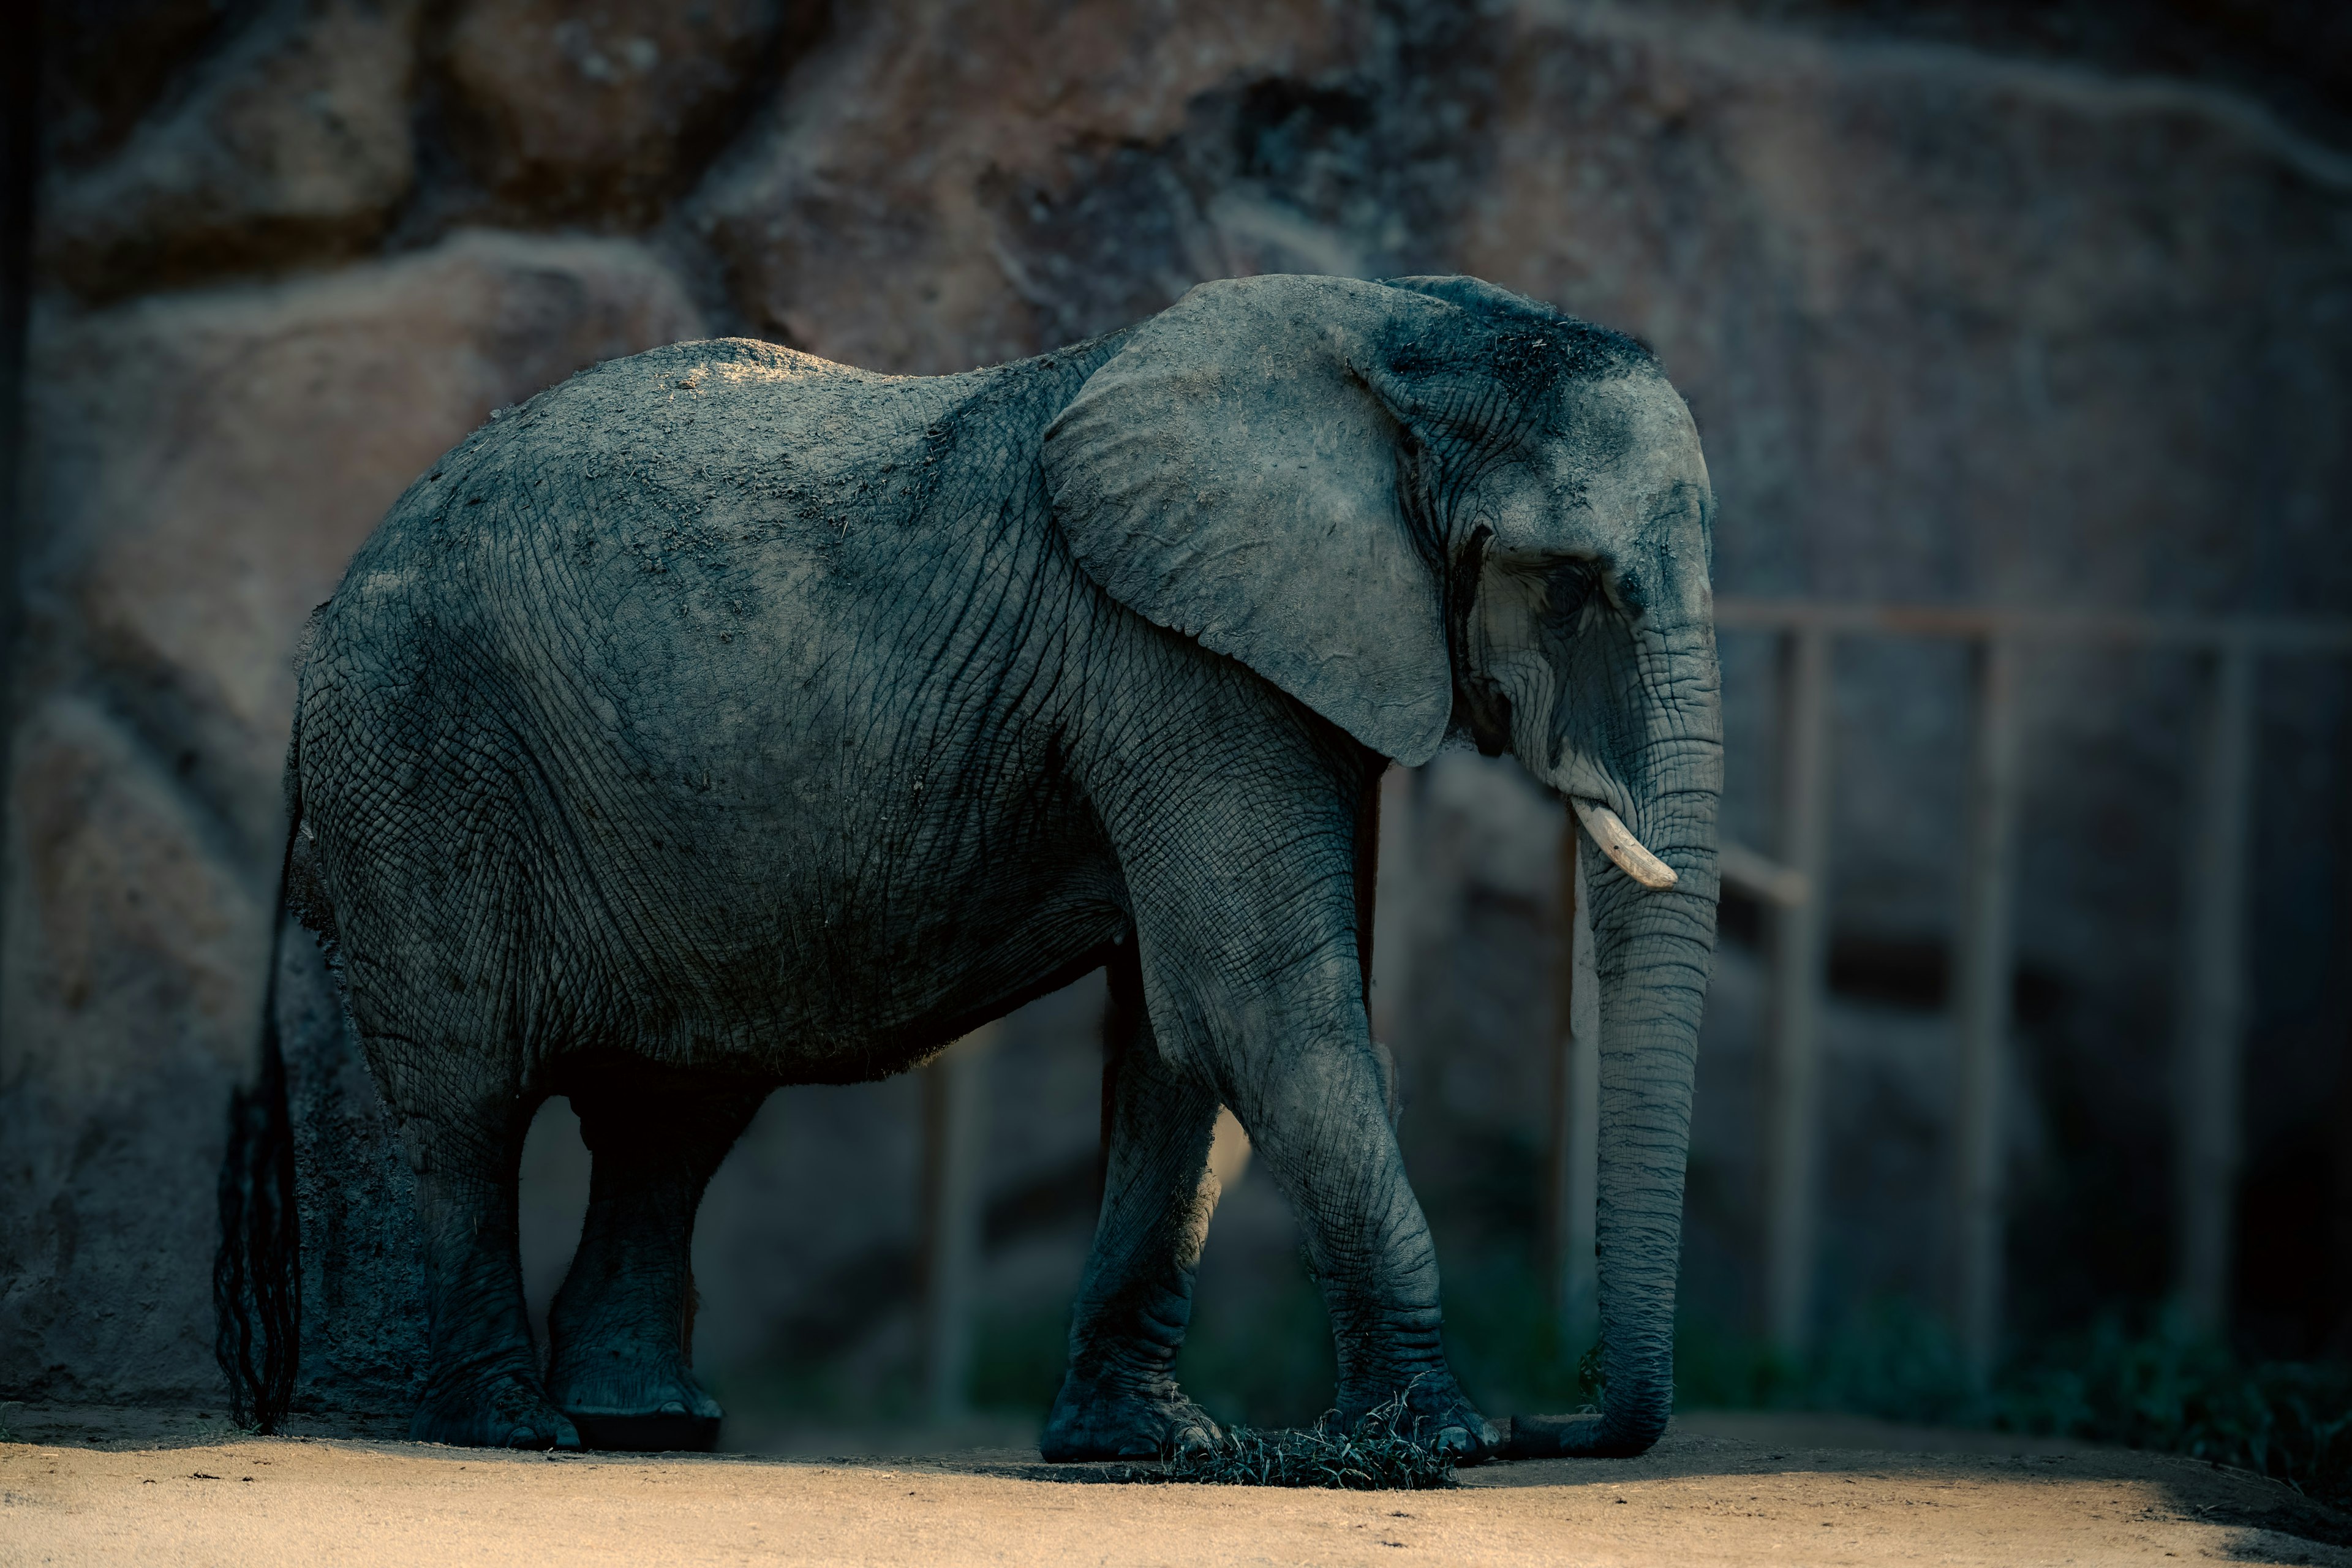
1120, 1398
619, 1328
482, 1387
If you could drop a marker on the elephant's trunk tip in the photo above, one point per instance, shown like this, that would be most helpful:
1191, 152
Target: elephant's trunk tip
1588, 1435
1617, 841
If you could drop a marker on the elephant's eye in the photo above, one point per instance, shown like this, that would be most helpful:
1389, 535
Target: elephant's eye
1569, 588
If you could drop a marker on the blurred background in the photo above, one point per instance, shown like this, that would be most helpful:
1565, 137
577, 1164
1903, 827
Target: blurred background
2024, 1097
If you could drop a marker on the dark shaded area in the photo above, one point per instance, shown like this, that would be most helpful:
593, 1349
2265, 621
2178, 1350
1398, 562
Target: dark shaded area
1911, 972
846, 1298
112, 62
2296, 55
22, 148
2287, 1219
257, 1277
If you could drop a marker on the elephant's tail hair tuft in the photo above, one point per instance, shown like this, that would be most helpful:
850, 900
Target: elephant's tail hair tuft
257, 1274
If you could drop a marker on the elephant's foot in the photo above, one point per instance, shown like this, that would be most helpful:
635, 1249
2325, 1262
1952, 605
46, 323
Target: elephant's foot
633, 1403
500, 1408
1108, 1418
1436, 1412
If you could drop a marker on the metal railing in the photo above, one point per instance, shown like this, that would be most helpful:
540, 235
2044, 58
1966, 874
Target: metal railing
950, 1198
1792, 885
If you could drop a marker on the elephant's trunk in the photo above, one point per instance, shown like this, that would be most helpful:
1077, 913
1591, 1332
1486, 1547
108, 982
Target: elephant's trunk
1652, 951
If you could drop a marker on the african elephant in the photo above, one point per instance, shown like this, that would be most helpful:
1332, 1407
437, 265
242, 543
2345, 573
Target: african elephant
724, 719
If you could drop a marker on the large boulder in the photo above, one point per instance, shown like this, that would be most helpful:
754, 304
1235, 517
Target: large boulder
289, 142
944, 185
598, 114
104, 64
203, 466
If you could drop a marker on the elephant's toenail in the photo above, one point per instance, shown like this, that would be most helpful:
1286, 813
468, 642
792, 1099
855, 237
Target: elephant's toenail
672, 1408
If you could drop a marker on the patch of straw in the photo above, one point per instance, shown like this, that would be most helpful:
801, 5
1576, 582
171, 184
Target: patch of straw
1382, 1452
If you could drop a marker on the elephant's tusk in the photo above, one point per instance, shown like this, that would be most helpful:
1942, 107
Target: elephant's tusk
1617, 842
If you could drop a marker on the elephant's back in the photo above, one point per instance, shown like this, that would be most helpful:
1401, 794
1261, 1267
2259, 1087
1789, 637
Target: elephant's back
683, 439
643, 515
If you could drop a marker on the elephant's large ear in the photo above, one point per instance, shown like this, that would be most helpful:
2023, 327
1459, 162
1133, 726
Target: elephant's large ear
1231, 473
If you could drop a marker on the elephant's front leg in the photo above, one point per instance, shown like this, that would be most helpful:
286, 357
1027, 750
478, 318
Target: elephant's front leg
1314, 1101
1120, 1398
619, 1357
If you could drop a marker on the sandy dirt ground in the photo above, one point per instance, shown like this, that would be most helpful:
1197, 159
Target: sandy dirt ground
1709, 1494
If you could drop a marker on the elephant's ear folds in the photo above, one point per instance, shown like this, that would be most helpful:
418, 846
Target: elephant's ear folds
1229, 475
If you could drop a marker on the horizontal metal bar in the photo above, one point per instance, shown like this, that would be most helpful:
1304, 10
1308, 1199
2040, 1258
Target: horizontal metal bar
1759, 878
2253, 634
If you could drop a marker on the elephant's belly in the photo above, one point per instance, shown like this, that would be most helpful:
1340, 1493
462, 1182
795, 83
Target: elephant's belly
846, 950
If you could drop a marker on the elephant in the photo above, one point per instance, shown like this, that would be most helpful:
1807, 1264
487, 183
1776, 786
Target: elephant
724, 719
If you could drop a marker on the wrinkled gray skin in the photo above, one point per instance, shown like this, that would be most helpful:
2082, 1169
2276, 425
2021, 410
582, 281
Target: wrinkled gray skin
725, 718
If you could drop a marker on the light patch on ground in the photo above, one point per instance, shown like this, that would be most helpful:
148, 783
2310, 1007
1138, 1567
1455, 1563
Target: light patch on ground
1697, 1499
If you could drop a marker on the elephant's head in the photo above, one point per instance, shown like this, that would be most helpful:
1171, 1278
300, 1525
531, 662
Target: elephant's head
1433, 504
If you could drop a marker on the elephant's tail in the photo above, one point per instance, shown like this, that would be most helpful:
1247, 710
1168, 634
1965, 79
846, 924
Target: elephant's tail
256, 1275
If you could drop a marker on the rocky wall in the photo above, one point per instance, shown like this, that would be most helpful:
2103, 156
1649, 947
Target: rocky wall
1961, 322
201, 464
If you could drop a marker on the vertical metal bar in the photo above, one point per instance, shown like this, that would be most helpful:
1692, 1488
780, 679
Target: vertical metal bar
1395, 905
1981, 989
2212, 999
1575, 1120
1791, 1093
955, 1128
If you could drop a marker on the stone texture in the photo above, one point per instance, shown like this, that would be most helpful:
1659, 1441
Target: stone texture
289, 142
203, 465
597, 113
125, 1011
944, 185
